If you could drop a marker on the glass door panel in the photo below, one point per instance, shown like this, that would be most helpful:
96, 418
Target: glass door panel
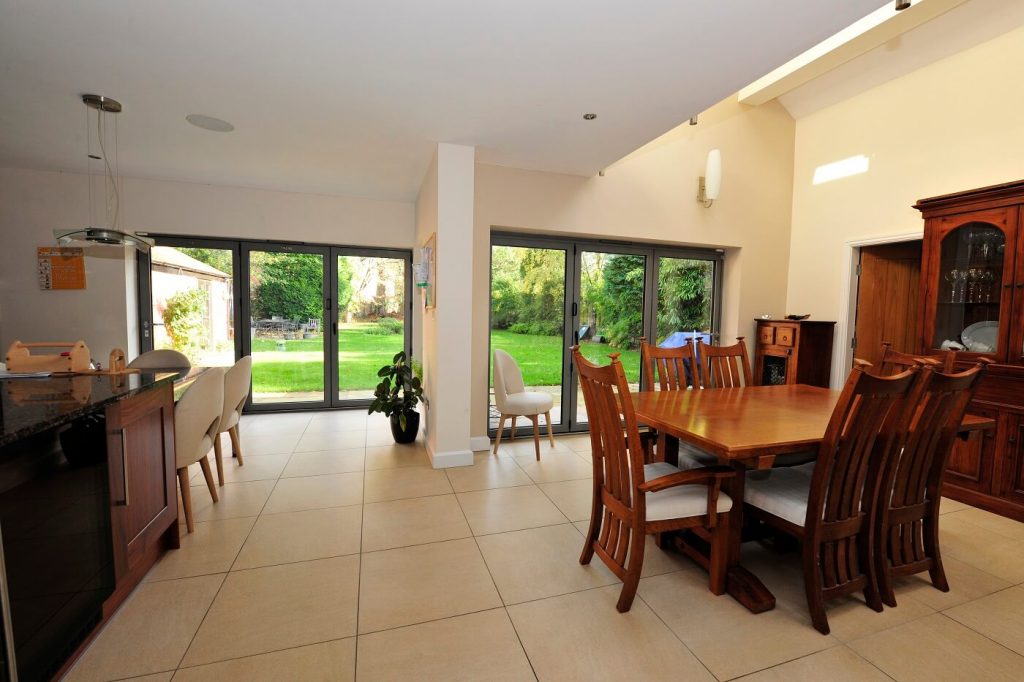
685, 303
967, 315
611, 314
286, 307
372, 307
192, 298
528, 287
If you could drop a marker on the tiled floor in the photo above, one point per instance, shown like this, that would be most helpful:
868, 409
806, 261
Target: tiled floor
333, 555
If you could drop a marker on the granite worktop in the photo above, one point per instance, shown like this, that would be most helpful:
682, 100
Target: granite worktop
30, 406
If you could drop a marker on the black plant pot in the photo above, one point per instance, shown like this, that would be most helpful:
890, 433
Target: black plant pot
412, 427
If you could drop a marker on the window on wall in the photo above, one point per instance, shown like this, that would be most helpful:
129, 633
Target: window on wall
549, 294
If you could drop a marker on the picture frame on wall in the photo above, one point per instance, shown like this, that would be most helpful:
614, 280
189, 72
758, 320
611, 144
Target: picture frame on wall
428, 256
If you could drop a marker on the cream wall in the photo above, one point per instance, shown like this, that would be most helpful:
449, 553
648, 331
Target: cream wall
650, 195
425, 321
954, 125
34, 203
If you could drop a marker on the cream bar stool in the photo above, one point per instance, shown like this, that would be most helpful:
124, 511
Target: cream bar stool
236, 389
513, 400
163, 358
196, 418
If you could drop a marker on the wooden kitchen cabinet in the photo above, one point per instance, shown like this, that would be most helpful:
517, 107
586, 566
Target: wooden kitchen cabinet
793, 352
972, 294
144, 502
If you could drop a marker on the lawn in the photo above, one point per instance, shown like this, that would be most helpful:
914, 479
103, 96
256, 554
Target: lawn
540, 357
300, 367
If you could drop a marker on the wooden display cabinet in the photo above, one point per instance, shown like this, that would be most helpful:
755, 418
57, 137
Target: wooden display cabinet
793, 352
972, 299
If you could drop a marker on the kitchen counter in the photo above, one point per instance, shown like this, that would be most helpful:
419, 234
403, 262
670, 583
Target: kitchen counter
30, 406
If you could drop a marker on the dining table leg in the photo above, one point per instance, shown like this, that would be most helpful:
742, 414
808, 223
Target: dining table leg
741, 584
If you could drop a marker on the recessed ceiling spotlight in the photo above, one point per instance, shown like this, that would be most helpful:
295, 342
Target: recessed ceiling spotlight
209, 123
902, 5
589, 117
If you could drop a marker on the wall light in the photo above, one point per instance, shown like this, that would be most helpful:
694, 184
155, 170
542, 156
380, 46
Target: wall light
844, 168
710, 183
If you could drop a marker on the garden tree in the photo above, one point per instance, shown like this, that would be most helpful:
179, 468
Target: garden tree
288, 285
217, 258
685, 295
542, 273
591, 286
183, 322
620, 307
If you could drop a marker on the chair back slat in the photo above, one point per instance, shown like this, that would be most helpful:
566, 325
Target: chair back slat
725, 366
894, 361
617, 455
676, 368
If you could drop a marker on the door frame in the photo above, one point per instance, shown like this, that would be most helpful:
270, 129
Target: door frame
846, 324
573, 248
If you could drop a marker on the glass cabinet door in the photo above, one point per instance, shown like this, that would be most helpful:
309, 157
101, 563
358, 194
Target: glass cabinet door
972, 272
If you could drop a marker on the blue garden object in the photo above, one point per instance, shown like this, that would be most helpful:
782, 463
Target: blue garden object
679, 339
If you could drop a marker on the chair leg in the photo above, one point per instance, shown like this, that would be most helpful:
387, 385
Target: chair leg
186, 497
204, 462
551, 435
512, 432
719, 567
501, 428
886, 585
236, 444
218, 455
632, 579
868, 565
931, 549
814, 588
536, 434
594, 529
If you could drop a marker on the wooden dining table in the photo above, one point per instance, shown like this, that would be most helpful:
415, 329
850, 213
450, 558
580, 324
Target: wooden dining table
747, 428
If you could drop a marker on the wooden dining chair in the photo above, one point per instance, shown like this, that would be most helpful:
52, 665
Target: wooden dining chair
832, 510
907, 526
894, 361
725, 366
676, 369
631, 499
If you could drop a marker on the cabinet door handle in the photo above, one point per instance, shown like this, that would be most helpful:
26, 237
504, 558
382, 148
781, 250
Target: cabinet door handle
124, 469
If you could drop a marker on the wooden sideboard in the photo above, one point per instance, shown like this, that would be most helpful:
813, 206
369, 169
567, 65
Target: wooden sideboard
972, 293
793, 352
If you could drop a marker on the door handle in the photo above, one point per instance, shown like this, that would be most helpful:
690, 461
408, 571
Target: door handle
575, 338
575, 309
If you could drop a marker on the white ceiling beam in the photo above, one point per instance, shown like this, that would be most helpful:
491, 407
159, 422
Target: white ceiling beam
877, 28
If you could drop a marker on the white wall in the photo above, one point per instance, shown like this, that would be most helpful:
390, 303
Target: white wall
954, 125
651, 195
33, 203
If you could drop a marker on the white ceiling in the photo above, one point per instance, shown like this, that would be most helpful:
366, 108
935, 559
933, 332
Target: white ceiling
962, 27
350, 97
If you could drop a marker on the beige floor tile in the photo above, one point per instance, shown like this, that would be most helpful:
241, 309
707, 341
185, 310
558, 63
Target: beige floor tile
378, 437
416, 521
581, 636
211, 548
341, 420
1009, 528
339, 440
324, 462
274, 424
504, 509
478, 646
137, 641
838, 664
557, 466
278, 607
938, 648
396, 484
523, 447
394, 455
999, 617
574, 498
540, 562
982, 548
487, 472
416, 584
850, 617
301, 536
575, 443
948, 505
254, 444
237, 500
656, 560
328, 662
156, 677
965, 584
726, 637
256, 468
316, 492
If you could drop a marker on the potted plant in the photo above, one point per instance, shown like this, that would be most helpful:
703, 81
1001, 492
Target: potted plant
397, 395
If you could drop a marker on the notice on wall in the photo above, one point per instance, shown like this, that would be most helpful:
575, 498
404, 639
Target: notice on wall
61, 267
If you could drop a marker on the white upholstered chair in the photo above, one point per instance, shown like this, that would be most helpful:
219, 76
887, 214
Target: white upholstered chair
162, 358
513, 400
236, 390
196, 418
